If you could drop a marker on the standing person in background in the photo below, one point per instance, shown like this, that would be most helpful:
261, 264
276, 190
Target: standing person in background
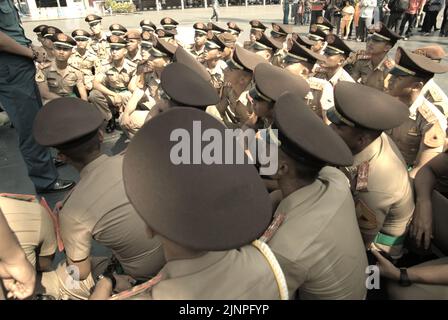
410, 16
366, 15
444, 27
385, 12
215, 10
20, 98
295, 4
434, 7
317, 6
337, 15
354, 25
307, 12
347, 16
396, 14
300, 12
286, 4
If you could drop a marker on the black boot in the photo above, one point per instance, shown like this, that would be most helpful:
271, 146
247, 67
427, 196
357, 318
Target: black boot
110, 126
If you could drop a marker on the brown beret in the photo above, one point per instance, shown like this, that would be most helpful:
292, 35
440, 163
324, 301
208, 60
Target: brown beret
433, 52
133, 34
211, 207
65, 120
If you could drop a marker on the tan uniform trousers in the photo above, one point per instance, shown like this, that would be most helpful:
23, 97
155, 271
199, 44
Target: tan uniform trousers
418, 291
133, 123
61, 285
106, 104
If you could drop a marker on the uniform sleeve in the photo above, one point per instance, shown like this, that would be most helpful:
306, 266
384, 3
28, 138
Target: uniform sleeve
372, 209
48, 242
327, 99
75, 236
295, 274
355, 72
79, 78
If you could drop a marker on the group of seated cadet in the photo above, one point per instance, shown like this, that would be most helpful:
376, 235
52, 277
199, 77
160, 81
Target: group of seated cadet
352, 130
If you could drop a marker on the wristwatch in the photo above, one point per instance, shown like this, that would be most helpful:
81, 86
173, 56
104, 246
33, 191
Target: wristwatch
108, 276
404, 278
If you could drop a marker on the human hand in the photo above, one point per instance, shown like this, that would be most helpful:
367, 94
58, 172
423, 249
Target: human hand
19, 278
124, 282
40, 54
387, 269
421, 225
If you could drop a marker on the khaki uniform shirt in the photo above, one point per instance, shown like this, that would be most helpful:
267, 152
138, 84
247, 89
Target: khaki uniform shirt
85, 64
242, 274
364, 73
320, 98
32, 225
382, 192
99, 209
217, 74
425, 128
318, 245
196, 53
100, 48
117, 79
60, 82
340, 75
235, 110
137, 58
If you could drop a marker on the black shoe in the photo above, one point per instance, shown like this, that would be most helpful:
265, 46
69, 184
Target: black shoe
110, 126
58, 186
58, 163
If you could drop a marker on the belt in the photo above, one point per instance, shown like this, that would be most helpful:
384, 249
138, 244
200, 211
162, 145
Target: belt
388, 240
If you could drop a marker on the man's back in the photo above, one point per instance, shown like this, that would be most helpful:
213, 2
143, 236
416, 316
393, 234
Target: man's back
98, 208
319, 245
32, 226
